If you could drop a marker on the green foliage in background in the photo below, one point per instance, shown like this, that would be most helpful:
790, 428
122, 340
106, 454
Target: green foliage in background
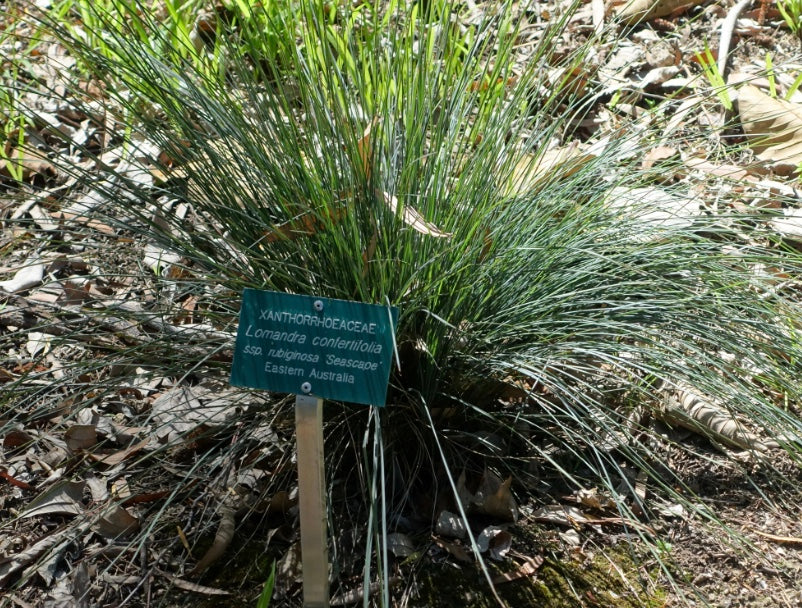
267, 590
791, 11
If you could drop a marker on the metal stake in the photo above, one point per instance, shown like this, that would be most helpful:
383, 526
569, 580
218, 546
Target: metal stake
312, 500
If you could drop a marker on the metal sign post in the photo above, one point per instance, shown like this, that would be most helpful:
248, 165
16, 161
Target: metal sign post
312, 500
318, 348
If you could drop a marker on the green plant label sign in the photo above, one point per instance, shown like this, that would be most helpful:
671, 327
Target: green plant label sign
333, 349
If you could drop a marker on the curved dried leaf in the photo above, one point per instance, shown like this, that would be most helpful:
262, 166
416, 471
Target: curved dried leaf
117, 457
559, 514
658, 154
25, 278
16, 439
696, 413
496, 540
98, 488
13, 480
25, 162
414, 219
593, 499
80, 436
533, 170
116, 522
195, 588
222, 539
38, 343
636, 11
529, 567
495, 499
62, 498
365, 148
773, 127
457, 551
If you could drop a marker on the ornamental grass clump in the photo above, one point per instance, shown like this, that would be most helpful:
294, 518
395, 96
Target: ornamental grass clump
395, 153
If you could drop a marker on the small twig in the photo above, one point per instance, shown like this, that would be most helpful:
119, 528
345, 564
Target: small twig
193, 587
598, 521
14, 481
786, 540
727, 28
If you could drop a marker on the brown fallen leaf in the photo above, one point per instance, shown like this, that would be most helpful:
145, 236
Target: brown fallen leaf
495, 540
559, 514
80, 436
572, 517
118, 457
529, 567
306, 224
453, 549
412, 218
773, 128
116, 522
593, 499
494, 498
695, 412
532, 171
637, 11
727, 171
222, 539
400, 544
74, 293
16, 439
145, 498
63, 217
657, 155
280, 503
64, 498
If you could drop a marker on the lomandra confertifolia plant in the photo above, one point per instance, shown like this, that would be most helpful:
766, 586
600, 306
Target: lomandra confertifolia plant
388, 153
